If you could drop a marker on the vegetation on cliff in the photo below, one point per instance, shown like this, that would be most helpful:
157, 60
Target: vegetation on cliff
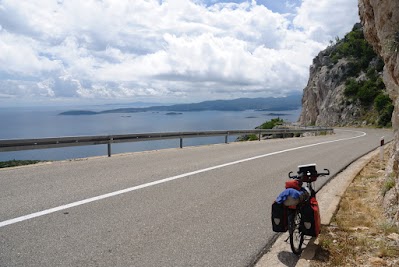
345, 86
355, 48
370, 93
363, 78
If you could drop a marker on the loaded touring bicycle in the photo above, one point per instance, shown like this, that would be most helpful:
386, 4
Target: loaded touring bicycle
296, 209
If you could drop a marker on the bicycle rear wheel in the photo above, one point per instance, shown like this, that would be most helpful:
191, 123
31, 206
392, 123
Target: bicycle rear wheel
296, 236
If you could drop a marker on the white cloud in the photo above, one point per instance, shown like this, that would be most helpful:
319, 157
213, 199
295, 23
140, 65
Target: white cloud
325, 19
170, 49
23, 55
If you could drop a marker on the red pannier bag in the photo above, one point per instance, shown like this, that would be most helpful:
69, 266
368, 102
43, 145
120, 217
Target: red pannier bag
279, 217
293, 184
310, 220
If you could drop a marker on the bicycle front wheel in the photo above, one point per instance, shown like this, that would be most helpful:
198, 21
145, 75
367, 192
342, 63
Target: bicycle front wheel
296, 236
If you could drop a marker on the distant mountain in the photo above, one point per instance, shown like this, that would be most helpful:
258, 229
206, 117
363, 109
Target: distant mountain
265, 104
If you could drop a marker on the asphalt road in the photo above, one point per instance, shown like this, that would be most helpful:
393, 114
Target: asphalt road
198, 206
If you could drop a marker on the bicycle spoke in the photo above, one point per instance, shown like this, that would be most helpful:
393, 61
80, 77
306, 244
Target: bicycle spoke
296, 236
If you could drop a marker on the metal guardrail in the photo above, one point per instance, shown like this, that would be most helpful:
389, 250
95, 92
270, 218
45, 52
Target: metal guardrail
57, 142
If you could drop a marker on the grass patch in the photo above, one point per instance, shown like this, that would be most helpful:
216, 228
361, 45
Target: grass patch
15, 163
388, 185
389, 228
359, 232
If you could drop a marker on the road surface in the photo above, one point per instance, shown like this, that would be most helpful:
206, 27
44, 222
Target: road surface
198, 206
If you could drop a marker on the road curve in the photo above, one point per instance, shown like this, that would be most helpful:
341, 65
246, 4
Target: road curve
199, 206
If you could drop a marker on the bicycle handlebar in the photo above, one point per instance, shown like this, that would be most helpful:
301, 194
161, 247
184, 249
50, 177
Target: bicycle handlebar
324, 173
299, 176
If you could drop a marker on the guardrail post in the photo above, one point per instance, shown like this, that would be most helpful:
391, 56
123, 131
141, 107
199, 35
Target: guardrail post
226, 138
109, 146
259, 135
181, 142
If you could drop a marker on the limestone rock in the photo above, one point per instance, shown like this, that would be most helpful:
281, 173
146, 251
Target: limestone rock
375, 261
323, 101
380, 19
393, 236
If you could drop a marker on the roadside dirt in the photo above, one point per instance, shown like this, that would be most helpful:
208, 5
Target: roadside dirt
359, 233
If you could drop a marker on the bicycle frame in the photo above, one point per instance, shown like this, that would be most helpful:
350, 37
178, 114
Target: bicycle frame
307, 174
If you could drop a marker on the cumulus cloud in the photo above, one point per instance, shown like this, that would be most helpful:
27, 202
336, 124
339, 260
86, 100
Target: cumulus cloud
171, 50
325, 19
22, 55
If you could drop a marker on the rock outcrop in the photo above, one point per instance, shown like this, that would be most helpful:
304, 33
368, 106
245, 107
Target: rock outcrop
325, 101
380, 19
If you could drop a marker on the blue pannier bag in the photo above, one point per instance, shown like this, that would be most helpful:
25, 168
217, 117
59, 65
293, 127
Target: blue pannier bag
280, 209
289, 197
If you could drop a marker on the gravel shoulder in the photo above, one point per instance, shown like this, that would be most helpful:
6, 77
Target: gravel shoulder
359, 234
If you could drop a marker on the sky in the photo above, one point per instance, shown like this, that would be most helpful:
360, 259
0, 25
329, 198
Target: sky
166, 51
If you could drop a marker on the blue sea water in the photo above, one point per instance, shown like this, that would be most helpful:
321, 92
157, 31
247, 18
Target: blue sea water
22, 123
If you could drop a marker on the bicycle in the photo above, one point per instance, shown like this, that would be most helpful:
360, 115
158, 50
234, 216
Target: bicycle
296, 227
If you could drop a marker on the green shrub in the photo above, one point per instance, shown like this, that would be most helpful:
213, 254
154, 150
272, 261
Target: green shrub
384, 107
380, 65
375, 105
367, 92
388, 185
252, 137
335, 58
356, 49
14, 163
355, 45
351, 87
381, 101
371, 73
385, 116
271, 124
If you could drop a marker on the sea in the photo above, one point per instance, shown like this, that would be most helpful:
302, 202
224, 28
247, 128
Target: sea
41, 122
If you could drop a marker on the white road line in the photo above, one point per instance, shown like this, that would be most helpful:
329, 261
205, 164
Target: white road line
134, 188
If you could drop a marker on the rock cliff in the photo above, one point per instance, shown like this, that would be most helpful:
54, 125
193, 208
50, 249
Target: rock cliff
323, 98
329, 100
380, 19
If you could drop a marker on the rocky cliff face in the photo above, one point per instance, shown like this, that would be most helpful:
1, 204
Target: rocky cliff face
323, 101
380, 19
326, 101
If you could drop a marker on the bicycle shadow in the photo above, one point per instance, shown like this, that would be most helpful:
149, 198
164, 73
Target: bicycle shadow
288, 258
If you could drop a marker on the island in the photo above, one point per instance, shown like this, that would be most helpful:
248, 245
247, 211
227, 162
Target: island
292, 102
173, 113
78, 112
